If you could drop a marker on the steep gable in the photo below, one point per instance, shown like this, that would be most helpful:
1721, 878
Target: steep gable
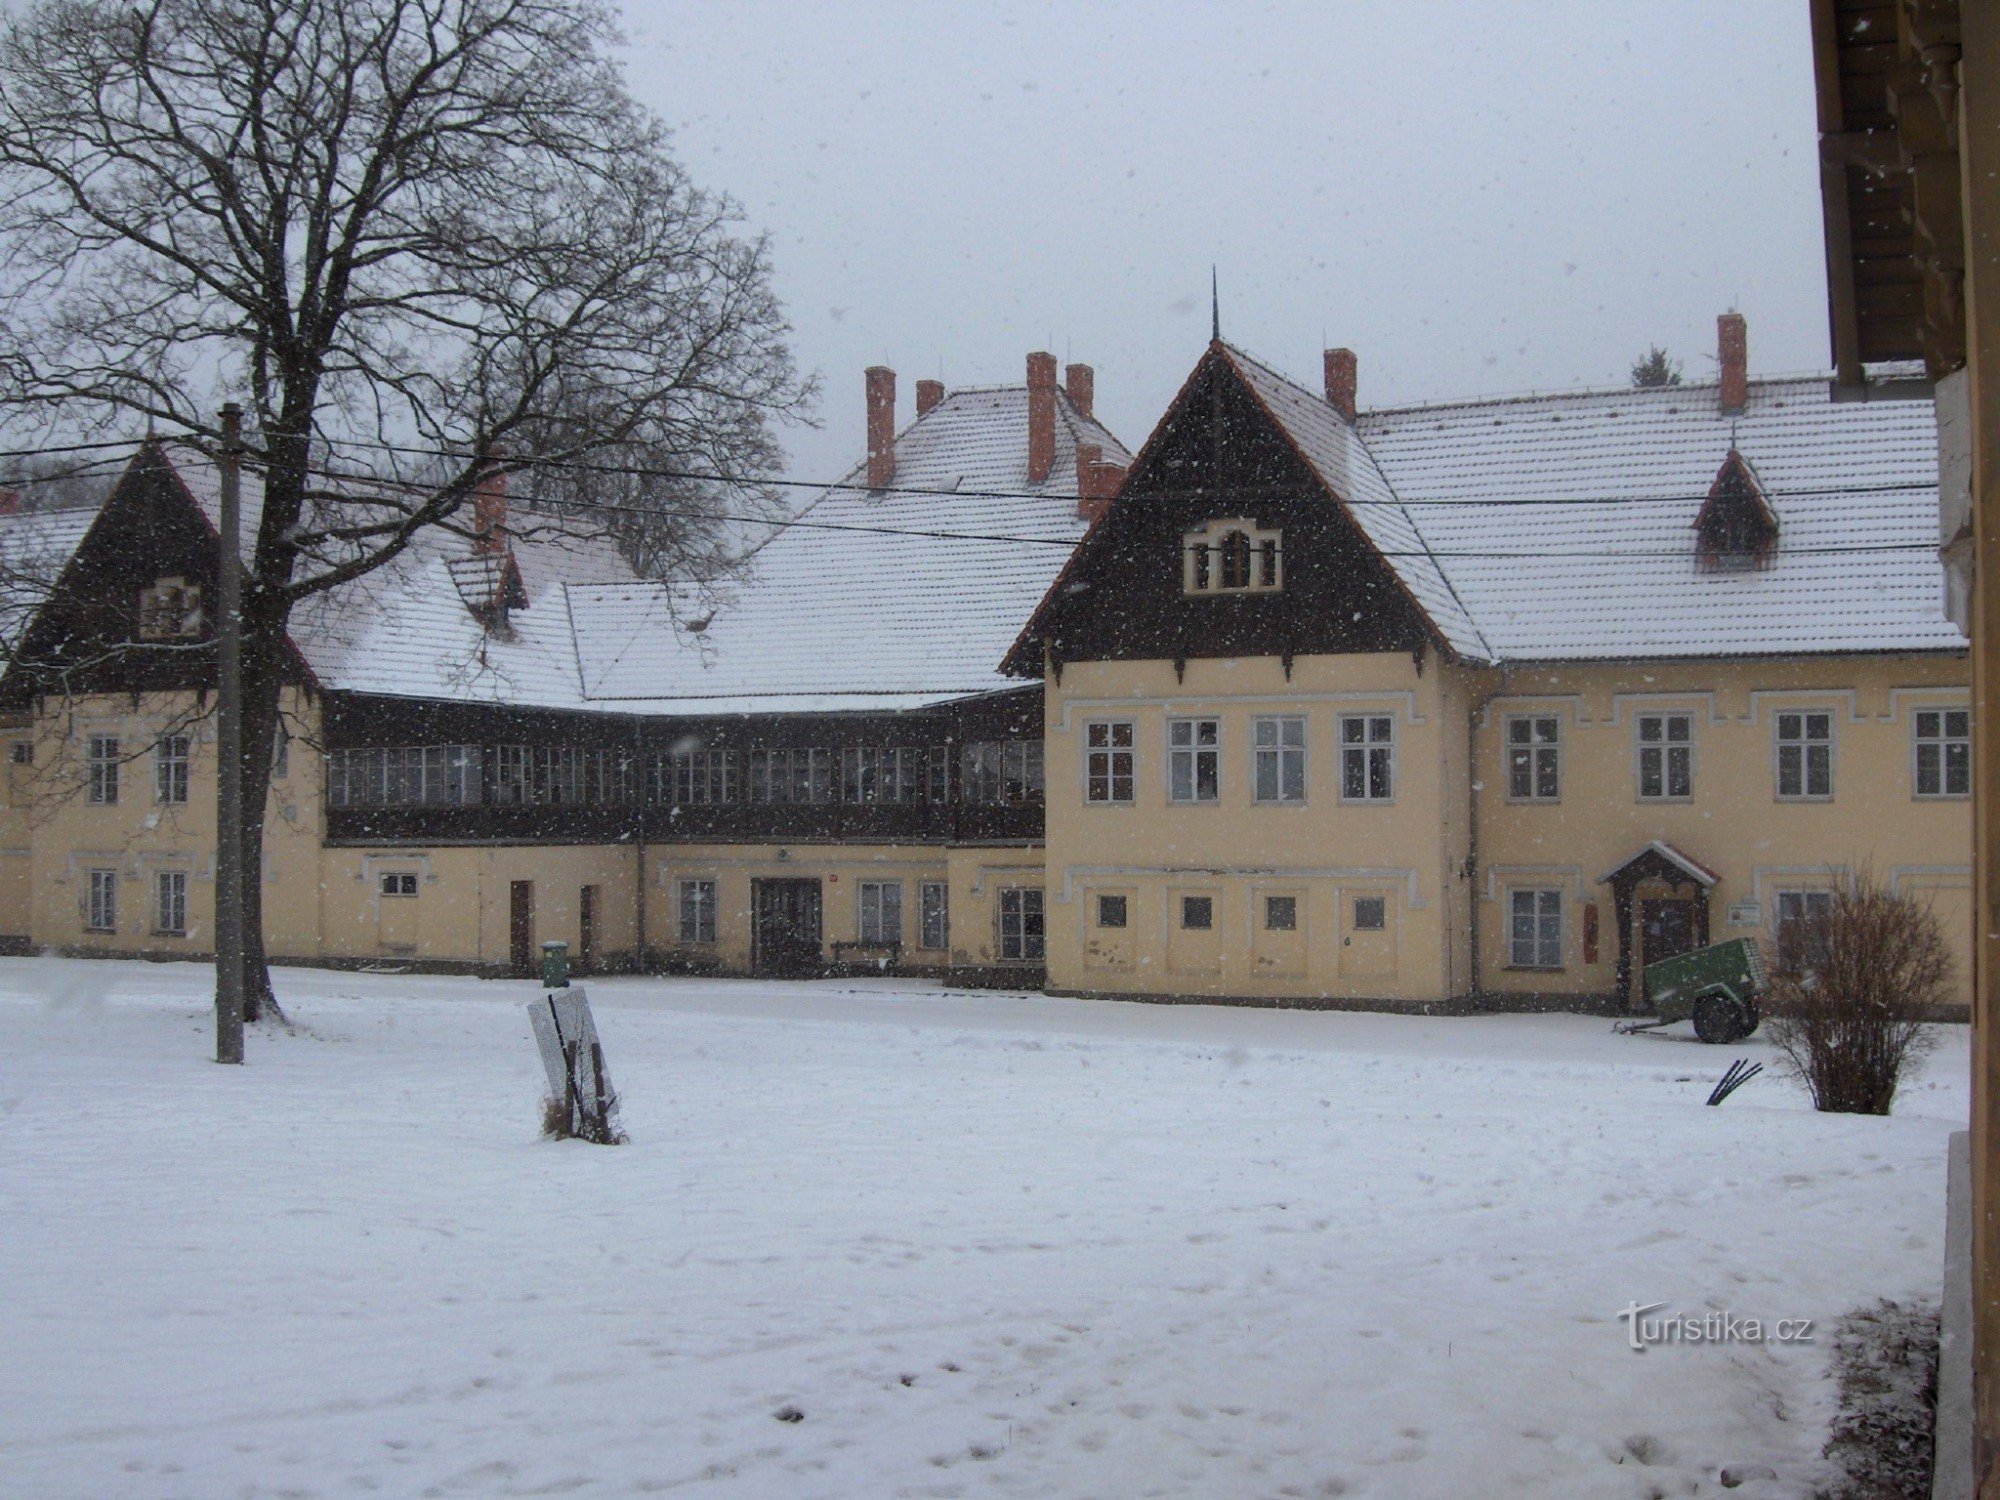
1735, 530
1222, 465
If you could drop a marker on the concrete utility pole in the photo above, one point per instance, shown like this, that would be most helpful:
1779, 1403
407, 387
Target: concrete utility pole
229, 751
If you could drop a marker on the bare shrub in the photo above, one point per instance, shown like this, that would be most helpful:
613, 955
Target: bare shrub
562, 1123
1849, 1008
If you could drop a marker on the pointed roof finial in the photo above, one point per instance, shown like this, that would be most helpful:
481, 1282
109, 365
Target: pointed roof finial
1214, 307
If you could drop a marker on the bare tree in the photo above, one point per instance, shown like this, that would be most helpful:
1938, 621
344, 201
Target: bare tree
1849, 1004
429, 238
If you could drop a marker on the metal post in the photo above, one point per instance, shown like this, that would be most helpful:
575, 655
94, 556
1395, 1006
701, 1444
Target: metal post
229, 751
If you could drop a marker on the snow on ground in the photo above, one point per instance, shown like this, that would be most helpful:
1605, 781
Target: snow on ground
983, 1243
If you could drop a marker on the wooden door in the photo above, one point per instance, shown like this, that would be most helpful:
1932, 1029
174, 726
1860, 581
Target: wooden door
1666, 928
586, 930
521, 928
785, 927
396, 913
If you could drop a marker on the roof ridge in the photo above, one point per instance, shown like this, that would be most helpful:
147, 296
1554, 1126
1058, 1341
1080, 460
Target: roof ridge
1581, 392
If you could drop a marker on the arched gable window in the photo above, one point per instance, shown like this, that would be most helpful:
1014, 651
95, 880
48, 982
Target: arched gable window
1233, 556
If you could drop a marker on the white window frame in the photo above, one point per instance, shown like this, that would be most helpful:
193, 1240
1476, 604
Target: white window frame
1278, 743
934, 915
397, 885
1189, 757
1365, 750
1110, 744
694, 909
170, 903
1943, 742
100, 910
1541, 946
1201, 558
1663, 747
1803, 742
1804, 901
171, 755
879, 914
1533, 754
1017, 944
100, 770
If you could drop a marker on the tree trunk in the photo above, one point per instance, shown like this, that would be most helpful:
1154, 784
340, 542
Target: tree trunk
261, 683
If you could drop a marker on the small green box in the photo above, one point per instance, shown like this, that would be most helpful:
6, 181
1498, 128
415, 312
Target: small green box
555, 965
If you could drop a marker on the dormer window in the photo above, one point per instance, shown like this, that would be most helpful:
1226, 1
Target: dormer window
1232, 556
170, 610
1736, 531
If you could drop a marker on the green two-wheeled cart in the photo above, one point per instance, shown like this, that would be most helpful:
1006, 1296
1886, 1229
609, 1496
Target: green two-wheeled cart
1717, 987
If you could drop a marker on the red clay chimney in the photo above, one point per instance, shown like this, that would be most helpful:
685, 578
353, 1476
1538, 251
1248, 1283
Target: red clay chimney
1342, 381
881, 426
1041, 416
489, 515
929, 393
1097, 482
10, 502
1732, 351
1080, 385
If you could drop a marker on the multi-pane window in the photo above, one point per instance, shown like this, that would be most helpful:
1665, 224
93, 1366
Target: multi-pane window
1281, 913
1022, 938
401, 884
697, 911
1666, 757
1194, 760
1198, 913
170, 903
1231, 556
798, 777
421, 775
701, 778
100, 901
882, 912
1371, 913
1944, 752
100, 770
870, 775
1534, 758
1534, 940
1278, 748
1801, 923
1111, 911
1002, 771
1109, 761
1805, 756
557, 776
1367, 758
510, 775
935, 915
613, 778
170, 769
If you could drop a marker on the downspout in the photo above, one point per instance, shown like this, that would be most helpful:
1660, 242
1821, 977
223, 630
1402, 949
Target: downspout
1472, 715
638, 784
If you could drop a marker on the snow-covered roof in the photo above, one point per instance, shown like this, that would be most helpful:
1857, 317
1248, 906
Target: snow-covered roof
34, 548
1561, 527
857, 602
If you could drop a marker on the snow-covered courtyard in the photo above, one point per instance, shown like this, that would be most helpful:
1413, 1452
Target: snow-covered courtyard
883, 1240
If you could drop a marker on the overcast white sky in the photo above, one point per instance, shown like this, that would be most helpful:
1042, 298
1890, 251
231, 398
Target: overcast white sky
1476, 197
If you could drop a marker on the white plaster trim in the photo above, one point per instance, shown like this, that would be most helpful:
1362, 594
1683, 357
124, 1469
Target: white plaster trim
1181, 706
1523, 703
1930, 697
1795, 878
1412, 899
802, 866
1517, 874
1790, 696
1664, 701
1930, 873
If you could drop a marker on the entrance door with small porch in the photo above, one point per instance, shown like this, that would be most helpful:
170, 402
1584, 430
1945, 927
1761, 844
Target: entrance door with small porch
521, 928
1666, 928
785, 927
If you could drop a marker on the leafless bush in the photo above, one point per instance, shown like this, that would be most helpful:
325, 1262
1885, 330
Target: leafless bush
1851, 1007
562, 1123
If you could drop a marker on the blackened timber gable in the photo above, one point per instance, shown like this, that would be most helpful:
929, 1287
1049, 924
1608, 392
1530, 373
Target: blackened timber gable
1218, 455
